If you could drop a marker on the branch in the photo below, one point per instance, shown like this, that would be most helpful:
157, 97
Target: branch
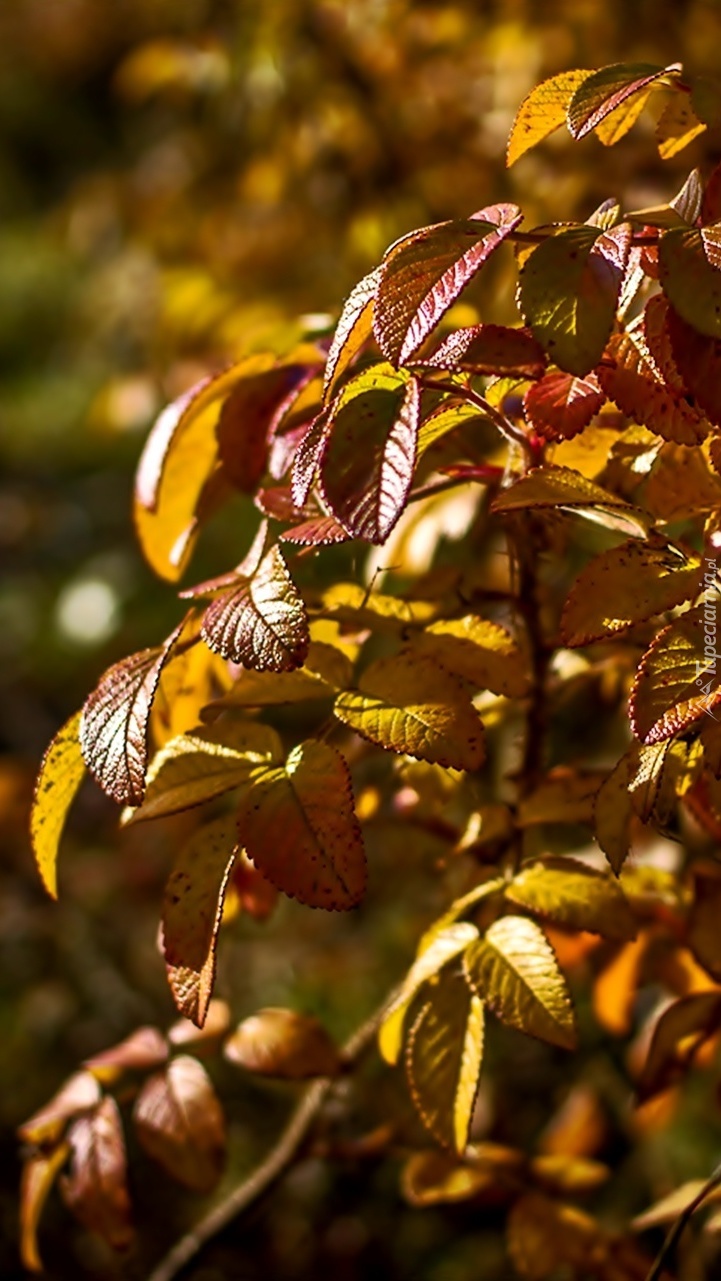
674, 1235
278, 1161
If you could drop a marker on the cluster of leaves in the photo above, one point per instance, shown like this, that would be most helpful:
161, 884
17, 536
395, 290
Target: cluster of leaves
595, 420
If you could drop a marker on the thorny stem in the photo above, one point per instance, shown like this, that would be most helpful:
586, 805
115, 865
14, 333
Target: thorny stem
280, 1158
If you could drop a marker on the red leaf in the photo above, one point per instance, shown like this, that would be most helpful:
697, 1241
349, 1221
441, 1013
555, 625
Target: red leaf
256, 894
491, 349
604, 91
79, 1094
143, 1050
690, 263
307, 456
246, 417
298, 825
368, 459
261, 621
633, 381
677, 681
698, 359
321, 531
423, 274
96, 1188
352, 331
115, 719
180, 1123
559, 406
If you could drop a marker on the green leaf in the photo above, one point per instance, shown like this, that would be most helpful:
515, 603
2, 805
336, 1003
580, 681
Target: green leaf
443, 1059
569, 291
627, 585
443, 947
480, 651
369, 453
409, 704
450, 414
260, 621
352, 331
514, 970
573, 896
677, 682
197, 767
61, 773
325, 671
298, 825
604, 91
192, 912
690, 266
424, 272
542, 112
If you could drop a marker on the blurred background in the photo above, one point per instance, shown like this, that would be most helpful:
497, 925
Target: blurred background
179, 180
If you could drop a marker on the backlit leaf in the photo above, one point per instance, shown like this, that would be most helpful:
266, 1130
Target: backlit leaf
114, 722
61, 773
675, 683
604, 91
449, 415
566, 795
554, 487
698, 359
199, 766
143, 1050
690, 263
192, 912
409, 704
95, 1188
325, 671
206, 1038
38, 1176
514, 970
443, 1059
573, 896
307, 457
631, 378
367, 461
542, 112
80, 1093
179, 459
352, 604
298, 825
668, 1209
352, 331
444, 946
677, 1035
180, 1123
490, 349
480, 651
489, 1172
318, 531
627, 585
260, 621
618, 122
282, 1043
569, 292
245, 419
677, 126
423, 273
559, 406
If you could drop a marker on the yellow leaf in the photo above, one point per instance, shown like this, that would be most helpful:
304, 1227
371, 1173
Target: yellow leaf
612, 815
480, 651
627, 585
543, 1235
671, 1206
574, 896
565, 796
61, 773
441, 949
617, 123
350, 603
39, 1174
677, 126
514, 970
411, 705
489, 1172
614, 992
443, 1059
542, 112
325, 671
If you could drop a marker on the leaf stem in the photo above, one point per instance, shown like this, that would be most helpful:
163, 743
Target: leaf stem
513, 434
280, 1158
674, 1234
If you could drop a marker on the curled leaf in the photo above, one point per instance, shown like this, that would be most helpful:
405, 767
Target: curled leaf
605, 91
180, 1123
443, 1059
61, 773
352, 331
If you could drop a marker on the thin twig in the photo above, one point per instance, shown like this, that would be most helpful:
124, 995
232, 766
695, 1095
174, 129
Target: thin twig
674, 1235
513, 434
278, 1161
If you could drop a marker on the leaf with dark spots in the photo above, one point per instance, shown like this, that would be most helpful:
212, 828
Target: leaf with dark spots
559, 405
490, 349
604, 91
676, 682
630, 377
115, 718
542, 112
424, 273
298, 825
627, 585
260, 621
368, 458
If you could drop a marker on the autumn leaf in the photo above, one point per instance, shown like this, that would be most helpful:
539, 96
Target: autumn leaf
613, 811
95, 1189
352, 331
488, 1173
542, 112
569, 292
567, 893
197, 767
443, 1058
366, 464
675, 683
480, 651
690, 264
115, 718
192, 912
514, 970
679, 1032
423, 273
604, 92
282, 1043
351, 604
677, 126
180, 1124
61, 772
325, 671
703, 924
490, 349
298, 825
260, 621
552, 486
627, 585
39, 1173
144, 1050
446, 944
545, 1237
630, 377
246, 418
409, 704
698, 359
559, 405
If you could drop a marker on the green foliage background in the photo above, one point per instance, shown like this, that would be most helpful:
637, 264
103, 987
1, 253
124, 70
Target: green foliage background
177, 183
